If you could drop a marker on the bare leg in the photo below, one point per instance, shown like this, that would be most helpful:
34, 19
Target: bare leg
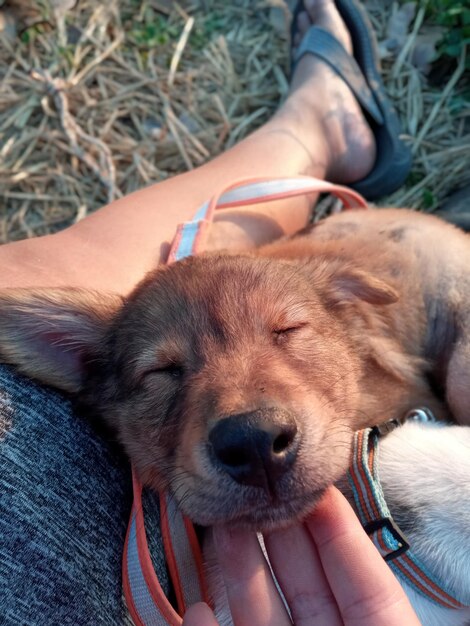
319, 131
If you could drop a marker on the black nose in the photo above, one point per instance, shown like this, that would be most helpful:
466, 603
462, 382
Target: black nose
255, 448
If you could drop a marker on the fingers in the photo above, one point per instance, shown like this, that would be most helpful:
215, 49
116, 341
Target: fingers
252, 594
199, 615
365, 589
329, 570
299, 571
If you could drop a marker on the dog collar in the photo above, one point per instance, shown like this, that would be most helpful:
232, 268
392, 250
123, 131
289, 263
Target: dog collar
377, 520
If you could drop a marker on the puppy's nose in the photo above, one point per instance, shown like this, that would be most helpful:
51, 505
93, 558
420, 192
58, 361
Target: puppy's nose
255, 448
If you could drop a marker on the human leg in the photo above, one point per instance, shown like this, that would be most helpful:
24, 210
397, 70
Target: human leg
55, 567
319, 131
65, 500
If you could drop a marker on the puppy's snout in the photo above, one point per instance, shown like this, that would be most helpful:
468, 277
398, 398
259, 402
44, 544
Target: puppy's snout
255, 448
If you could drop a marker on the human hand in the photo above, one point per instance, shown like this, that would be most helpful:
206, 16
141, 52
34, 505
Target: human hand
329, 571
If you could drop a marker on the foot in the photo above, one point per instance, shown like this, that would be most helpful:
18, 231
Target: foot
321, 111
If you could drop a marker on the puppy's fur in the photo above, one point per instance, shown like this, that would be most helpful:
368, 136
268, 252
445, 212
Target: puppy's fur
353, 322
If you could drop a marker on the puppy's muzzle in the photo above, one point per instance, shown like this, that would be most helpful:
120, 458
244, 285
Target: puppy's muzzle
256, 448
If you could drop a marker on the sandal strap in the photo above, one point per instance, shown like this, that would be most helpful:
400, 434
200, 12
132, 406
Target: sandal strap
323, 45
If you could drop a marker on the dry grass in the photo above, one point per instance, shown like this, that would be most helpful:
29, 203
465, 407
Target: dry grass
122, 94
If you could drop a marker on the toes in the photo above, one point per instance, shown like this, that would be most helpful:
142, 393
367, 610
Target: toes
311, 7
303, 23
323, 13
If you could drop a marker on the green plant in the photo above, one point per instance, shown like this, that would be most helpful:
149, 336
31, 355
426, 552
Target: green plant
206, 28
454, 17
152, 30
428, 198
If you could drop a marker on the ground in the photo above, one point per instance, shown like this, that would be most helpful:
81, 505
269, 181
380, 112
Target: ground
99, 99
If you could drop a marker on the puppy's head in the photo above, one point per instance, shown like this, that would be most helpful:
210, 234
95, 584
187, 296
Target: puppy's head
230, 380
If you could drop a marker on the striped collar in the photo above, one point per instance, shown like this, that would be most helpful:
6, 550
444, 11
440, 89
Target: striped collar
377, 520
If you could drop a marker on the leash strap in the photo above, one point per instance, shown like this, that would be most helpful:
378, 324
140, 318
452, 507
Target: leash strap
145, 598
146, 601
377, 520
246, 192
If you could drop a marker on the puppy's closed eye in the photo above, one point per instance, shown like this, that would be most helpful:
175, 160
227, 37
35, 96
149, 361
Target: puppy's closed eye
171, 370
161, 371
283, 332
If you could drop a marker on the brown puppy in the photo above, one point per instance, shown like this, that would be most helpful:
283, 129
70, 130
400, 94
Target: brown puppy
237, 381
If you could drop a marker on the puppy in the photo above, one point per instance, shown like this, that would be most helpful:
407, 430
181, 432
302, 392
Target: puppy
236, 381
222, 373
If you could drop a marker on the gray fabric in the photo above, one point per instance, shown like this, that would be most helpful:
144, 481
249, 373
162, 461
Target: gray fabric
65, 497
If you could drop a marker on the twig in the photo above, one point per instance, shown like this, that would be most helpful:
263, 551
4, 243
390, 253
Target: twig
437, 106
180, 46
106, 171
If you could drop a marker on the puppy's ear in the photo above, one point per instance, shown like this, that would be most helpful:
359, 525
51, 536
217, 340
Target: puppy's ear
357, 284
48, 333
343, 284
